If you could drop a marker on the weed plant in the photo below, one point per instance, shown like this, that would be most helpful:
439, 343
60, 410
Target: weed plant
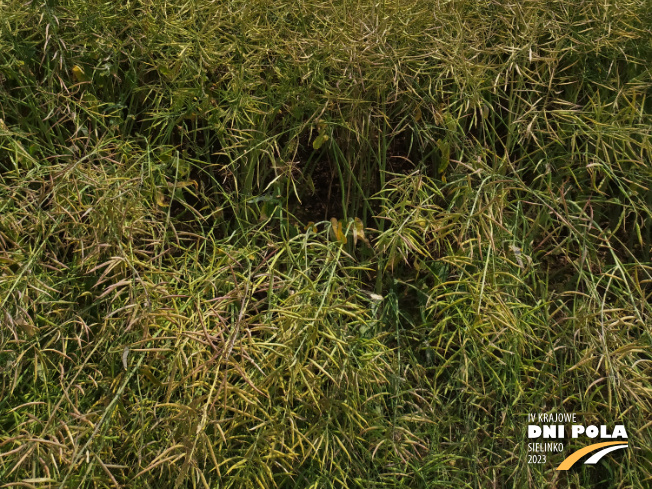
322, 244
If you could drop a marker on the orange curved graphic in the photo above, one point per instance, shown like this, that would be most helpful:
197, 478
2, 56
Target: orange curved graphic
575, 456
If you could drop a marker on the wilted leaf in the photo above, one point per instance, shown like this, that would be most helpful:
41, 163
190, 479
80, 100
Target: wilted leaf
125, 357
147, 373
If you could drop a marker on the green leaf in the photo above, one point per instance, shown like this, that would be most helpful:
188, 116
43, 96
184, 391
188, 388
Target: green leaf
319, 141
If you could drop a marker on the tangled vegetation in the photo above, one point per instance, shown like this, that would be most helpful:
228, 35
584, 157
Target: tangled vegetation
322, 244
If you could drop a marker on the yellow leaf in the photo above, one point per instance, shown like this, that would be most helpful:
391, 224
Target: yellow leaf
185, 184
341, 237
337, 230
160, 199
334, 226
358, 231
311, 227
78, 74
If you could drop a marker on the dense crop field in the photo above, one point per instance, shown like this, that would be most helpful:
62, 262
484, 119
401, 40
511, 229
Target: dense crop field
322, 243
